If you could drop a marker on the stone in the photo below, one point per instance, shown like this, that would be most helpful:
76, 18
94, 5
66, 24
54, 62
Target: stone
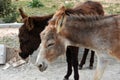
2, 54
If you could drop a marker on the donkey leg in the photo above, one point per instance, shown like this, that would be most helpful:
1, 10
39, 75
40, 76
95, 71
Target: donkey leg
83, 58
101, 65
75, 63
69, 63
91, 59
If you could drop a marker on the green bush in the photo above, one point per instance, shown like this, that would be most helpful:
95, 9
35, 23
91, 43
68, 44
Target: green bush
35, 3
5, 7
11, 17
8, 11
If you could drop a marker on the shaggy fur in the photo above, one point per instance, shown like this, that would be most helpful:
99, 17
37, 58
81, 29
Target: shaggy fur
30, 40
100, 33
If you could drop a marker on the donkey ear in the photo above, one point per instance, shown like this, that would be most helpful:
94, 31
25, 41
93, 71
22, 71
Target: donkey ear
60, 24
29, 23
23, 15
62, 8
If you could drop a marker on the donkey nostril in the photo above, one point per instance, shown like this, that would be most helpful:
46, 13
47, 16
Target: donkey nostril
40, 66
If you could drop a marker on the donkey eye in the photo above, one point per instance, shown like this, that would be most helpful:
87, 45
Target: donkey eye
51, 44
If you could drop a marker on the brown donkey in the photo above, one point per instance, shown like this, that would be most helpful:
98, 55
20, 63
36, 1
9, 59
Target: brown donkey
99, 33
29, 35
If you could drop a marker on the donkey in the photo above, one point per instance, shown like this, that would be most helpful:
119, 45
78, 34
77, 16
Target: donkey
29, 35
99, 33
29, 41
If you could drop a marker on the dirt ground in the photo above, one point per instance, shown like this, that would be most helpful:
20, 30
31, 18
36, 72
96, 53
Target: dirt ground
55, 71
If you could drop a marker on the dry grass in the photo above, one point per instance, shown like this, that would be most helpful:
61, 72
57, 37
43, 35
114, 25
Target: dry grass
50, 6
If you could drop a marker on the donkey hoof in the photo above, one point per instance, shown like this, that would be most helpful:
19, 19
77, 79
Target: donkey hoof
65, 79
90, 67
80, 67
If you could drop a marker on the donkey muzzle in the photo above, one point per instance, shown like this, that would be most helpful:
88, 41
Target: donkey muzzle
43, 66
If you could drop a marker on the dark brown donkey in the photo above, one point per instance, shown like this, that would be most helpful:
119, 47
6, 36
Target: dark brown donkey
30, 40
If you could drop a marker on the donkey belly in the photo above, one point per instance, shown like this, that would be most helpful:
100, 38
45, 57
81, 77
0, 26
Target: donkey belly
112, 47
115, 52
115, 48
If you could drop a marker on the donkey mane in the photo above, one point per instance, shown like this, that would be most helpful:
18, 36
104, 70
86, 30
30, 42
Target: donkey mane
87, 18
90, 20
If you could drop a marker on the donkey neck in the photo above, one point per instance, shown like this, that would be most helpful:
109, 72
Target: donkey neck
89, 21
80, 30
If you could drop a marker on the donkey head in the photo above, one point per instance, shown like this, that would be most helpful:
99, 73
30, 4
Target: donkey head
28, 37
52, 43
29, 33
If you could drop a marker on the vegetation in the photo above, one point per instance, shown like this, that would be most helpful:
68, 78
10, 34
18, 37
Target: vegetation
35, 3
51, 5
112, 8
5, 7
8, 11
